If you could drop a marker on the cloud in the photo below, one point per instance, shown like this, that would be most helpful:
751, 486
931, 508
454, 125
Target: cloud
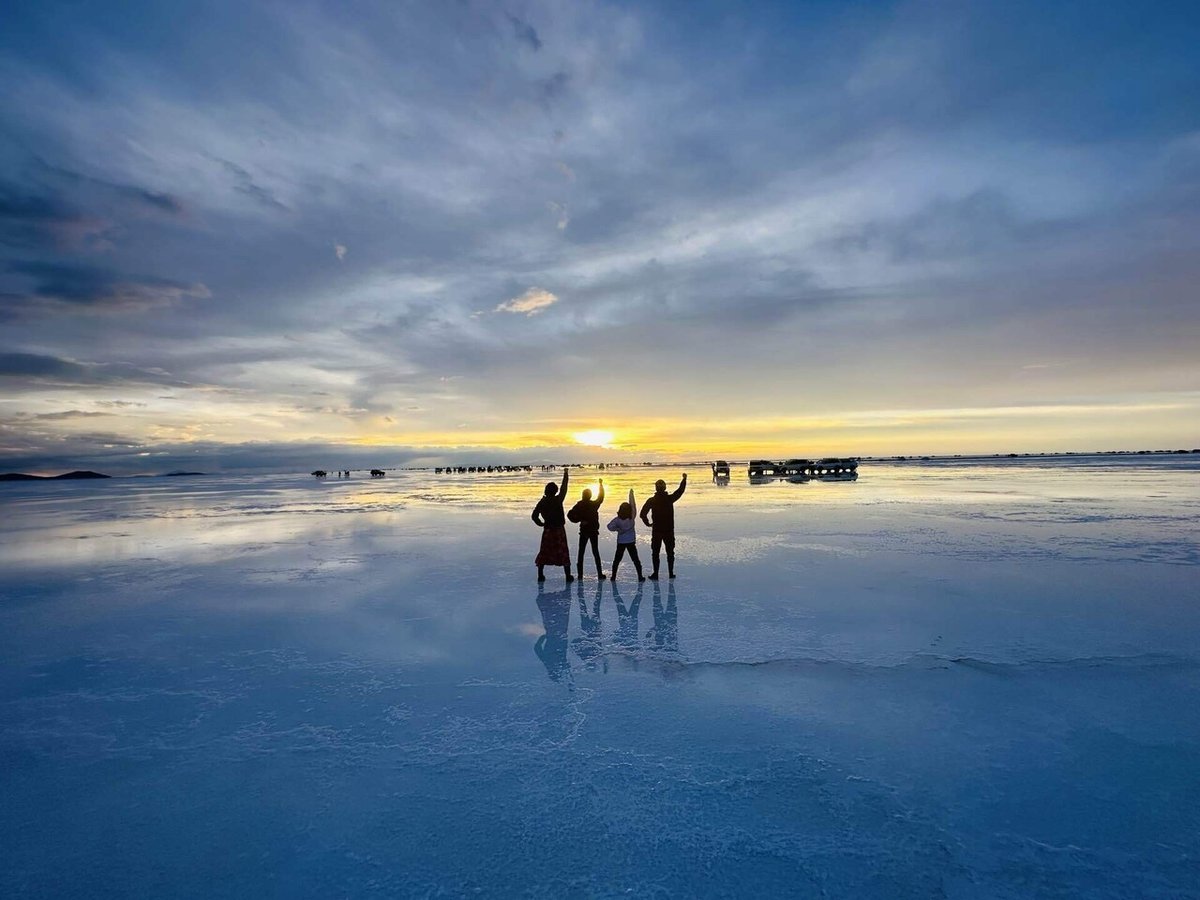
96, 288
339, 250
525, 33
532, 302
42, 369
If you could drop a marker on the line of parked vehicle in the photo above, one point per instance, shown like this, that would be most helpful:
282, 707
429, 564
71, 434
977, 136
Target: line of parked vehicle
830, 468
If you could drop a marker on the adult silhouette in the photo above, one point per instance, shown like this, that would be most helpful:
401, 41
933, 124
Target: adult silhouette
662, 528
587, 513
553, 521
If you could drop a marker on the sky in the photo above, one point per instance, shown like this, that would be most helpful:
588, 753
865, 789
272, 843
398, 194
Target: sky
276, 235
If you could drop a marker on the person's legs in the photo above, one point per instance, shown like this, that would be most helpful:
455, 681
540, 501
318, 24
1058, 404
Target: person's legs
583, 539
637, 563
567, 572
541, 573
669, 543
616, 561
655, 550
595, 539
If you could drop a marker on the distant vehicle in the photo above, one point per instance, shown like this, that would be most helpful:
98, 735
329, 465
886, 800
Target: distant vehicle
763, 468
801, 469
720, 469
377, 473
320, 473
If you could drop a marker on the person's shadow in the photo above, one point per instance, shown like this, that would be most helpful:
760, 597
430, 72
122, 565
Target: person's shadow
551, 647
665, 633
590, 644
627, 619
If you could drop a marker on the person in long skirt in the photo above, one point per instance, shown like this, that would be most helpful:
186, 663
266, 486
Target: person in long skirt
625, 525
549, 515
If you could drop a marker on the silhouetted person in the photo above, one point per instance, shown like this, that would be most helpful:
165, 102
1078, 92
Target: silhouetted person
549, 515
625, 525
551, 647
627, 619
587, 513
662, 529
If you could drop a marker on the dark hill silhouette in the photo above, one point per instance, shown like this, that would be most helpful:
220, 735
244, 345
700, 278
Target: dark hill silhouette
179, 474
21, 476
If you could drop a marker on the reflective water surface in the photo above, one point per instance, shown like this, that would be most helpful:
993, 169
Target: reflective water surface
972, 680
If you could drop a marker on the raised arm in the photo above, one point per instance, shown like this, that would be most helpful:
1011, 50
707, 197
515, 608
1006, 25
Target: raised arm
682, 487
600, 494
562, 491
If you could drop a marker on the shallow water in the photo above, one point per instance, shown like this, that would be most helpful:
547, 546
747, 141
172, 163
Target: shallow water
968, 680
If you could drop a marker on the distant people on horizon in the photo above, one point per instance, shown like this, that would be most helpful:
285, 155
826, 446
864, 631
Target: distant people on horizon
662, 528
548, 514
587, 513
625, 525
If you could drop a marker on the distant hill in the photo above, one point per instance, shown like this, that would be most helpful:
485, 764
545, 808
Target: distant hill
21, 476
179, 474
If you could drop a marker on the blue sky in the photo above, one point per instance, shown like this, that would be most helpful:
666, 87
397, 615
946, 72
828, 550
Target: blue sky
241, 235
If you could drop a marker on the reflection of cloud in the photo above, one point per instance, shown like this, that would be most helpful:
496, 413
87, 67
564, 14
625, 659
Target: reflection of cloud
532, 302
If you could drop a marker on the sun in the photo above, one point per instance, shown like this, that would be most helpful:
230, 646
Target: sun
594, 438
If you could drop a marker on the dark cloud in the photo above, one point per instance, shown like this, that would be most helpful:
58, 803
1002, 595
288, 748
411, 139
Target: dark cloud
525, 33
34, 369
91, 287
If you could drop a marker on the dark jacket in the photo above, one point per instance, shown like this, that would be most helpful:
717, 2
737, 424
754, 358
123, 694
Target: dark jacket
662, 505
587, 513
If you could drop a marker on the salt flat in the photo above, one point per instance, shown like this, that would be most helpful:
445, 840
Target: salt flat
961, 680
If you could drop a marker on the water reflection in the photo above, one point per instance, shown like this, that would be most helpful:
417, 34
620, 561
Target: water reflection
626, 637
551, 647
594, 650
665, 633
589, 646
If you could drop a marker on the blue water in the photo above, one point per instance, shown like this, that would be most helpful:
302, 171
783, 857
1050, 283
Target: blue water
978, 680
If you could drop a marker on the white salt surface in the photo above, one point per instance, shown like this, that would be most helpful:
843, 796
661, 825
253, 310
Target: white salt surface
944, 680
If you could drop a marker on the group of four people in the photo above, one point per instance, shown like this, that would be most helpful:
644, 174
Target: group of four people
554, 551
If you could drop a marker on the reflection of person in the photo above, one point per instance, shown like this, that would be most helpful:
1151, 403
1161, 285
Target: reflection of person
627, 619
589, 644
666, 622
662, 529
551, 647
625, 526
587, 513
549, 515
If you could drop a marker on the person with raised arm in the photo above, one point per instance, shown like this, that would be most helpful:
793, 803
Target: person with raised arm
625, 525
587, 513
662, 528
548, 514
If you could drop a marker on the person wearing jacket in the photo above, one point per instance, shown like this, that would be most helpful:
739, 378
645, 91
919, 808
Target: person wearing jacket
625, 525
662, 528
587, 513
548, 514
